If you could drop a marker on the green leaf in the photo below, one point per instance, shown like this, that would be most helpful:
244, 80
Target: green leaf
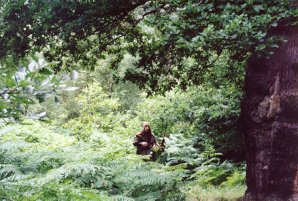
24, 83
45, 71
10, 82
3, 105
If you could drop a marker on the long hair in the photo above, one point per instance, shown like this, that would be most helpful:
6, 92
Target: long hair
143, 130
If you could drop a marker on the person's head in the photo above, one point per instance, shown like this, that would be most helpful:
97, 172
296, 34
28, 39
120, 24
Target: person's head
146, 127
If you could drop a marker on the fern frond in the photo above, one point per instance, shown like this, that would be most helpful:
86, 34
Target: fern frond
8, 170
121, 198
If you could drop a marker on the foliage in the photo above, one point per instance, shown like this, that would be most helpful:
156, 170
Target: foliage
18, 88
84, 152
59, 166
39, 160
164, 35
43, 20
224, 174
33, 83
206, 114
127, 93
92, 157
223, 181
96, 110
202, 32
215, 193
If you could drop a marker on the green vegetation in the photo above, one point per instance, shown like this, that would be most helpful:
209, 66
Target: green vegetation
79, 78
84, 150
51, 165
42, 161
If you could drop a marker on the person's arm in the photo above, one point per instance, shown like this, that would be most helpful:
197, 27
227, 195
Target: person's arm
136, 140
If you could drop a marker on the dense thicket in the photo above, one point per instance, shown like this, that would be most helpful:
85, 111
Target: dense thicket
95, 119
65, 63
92, 156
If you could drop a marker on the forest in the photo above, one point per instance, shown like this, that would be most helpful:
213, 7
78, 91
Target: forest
216, 80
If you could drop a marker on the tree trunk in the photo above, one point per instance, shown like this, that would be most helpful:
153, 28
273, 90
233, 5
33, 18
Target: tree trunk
270, 122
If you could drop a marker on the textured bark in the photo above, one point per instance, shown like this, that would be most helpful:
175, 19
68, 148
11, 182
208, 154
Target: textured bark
270, 122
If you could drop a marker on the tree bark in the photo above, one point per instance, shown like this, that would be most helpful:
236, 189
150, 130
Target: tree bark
269, 117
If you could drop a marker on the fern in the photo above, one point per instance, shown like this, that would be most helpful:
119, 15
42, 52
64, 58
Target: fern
122, 198
59, 167
8, 170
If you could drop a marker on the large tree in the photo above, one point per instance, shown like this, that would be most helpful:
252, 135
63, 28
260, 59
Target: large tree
269, 118
176, 41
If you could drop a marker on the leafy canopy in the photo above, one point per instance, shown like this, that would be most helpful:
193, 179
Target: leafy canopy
175, 40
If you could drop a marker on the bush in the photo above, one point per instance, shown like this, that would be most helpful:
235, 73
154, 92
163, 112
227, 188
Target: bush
58, 166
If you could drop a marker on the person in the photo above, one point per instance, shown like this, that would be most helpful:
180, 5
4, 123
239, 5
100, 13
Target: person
144, 140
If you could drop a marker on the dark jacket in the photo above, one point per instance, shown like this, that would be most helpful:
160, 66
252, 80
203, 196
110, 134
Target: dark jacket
144, 137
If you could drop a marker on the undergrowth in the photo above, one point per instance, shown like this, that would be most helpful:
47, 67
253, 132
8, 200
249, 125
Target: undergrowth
39, 161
